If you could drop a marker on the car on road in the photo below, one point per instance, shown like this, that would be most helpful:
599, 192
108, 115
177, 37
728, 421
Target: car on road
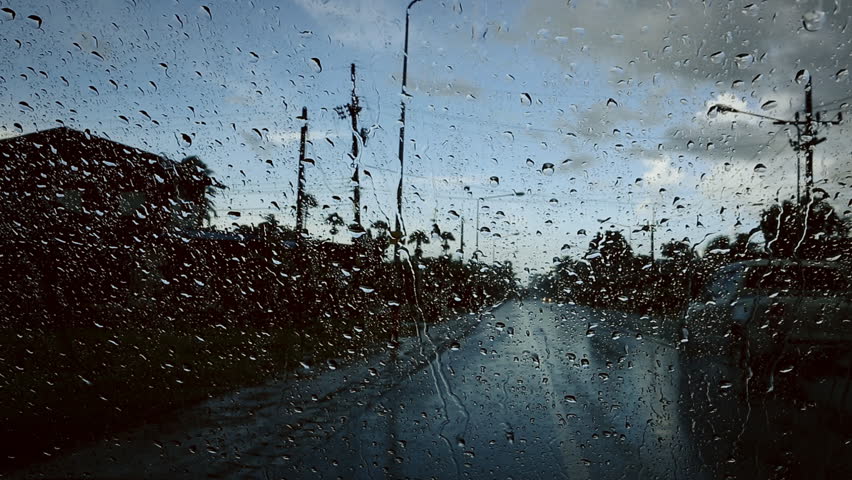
771, 316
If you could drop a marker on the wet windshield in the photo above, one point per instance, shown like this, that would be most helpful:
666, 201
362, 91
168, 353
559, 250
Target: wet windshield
425, 239
797, 279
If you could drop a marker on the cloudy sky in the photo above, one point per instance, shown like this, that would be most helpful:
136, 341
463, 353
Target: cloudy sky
596, 110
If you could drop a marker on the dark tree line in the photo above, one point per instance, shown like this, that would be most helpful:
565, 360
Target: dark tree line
120, 299
358, 278
611, 275
142, 257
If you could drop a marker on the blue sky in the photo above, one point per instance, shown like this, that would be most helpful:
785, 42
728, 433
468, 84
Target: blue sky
497, 89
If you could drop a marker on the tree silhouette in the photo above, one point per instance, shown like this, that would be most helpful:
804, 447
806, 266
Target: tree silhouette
418, 237
381, 228
606, 270
446, 238
812, 230
676, 249
717, 253
196, 187
612, 247
270, 222
308, 202
744, 249
382, 236
270, 230
721, 250
336, 222
677, 276
719, 242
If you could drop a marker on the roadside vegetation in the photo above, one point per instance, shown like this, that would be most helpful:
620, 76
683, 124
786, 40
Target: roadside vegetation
97, 340
611, 274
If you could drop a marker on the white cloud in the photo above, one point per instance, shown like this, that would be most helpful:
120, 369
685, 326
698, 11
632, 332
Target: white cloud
293, 136
363, 25
661, 172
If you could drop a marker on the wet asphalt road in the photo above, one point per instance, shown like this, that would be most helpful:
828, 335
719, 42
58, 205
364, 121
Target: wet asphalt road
528, 390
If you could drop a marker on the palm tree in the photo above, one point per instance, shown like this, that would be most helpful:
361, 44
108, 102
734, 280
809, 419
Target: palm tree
382, 236
418, 237
196, 187
308, 202
269, 230
446, 238
270, 226
382, 227
336, 222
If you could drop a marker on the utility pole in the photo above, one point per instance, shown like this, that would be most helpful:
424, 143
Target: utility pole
300, 190
810, 138
798, 164
806, 135
398, 223
396, 235
461, 242
649, 226
352, 109
652, 227
401, 151
476, 246
807, 138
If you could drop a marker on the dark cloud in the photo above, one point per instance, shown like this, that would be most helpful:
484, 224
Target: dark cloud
674, 59
697, 41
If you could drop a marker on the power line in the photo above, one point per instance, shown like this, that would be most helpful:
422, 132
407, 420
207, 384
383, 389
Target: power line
832, 102
807, 135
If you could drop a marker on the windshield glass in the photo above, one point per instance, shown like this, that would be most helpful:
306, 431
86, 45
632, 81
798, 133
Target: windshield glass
425, 239
795, 279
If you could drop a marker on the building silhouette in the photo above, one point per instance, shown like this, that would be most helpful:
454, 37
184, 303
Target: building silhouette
85, 220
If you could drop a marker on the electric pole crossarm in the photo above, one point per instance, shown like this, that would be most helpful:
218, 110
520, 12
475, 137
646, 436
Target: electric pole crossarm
797, 123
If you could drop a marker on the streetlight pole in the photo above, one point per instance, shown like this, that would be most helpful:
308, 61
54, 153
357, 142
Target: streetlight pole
479, 199
401, 154
398, 227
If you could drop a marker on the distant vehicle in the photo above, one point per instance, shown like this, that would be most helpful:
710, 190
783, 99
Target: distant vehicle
762, 315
